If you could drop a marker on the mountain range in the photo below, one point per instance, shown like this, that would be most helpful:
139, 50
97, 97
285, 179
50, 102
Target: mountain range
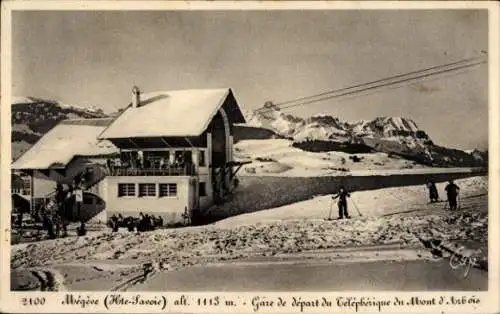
392, 135
32, 117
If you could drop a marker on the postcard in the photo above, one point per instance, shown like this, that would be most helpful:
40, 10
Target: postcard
249, 157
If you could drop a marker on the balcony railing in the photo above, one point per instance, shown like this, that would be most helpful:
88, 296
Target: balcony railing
165, 171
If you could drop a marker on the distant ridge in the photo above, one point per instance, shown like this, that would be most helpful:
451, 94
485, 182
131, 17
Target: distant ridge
393, 135
32, 117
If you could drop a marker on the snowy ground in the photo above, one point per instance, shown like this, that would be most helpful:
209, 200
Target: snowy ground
369, 203
261, 193
85, 262
277, 156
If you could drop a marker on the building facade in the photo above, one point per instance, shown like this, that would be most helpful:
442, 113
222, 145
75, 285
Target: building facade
69, 150
176, 154
168, 154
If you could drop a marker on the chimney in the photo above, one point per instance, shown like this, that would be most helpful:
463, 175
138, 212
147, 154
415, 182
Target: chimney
136, 97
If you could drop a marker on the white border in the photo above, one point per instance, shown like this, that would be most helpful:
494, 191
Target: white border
10, 301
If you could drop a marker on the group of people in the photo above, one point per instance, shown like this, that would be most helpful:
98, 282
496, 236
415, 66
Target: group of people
144, 223
67, 199
451, 190
52, 221
56, 214
138, 161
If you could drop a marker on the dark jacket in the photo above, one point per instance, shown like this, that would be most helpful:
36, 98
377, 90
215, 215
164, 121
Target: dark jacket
342, 196
452, 189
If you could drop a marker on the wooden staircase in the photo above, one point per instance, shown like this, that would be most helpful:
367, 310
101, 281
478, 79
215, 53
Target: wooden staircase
93, 177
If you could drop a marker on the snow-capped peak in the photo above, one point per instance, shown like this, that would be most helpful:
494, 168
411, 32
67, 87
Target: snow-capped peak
320, 115
394, 126
325, 127
20, 100
17, 100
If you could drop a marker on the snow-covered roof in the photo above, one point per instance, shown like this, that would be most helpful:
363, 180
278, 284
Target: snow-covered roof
66, 140
179, 113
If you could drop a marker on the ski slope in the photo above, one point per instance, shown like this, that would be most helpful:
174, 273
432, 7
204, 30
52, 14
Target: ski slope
370, 203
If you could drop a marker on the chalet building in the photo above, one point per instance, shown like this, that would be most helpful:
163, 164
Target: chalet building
176, 153
68, 150
167, 154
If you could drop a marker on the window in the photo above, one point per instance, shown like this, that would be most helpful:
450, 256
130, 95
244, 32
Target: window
201, 158
147, 189
168, 189
126, 189
202, 189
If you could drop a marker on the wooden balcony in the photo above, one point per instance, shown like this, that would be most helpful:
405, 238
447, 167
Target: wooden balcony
165, 171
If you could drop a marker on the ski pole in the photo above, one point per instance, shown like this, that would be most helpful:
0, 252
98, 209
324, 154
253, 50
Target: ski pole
330, 210
355, 206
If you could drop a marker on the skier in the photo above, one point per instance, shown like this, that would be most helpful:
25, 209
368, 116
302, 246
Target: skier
452, 193
342, 203
433, 192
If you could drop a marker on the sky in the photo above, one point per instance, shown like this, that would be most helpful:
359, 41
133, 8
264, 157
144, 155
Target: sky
94, 58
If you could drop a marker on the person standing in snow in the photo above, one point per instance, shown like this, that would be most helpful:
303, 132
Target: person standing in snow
342, 203
70, 203
48, 224
141, 227
61, 207
433, 192
452, 193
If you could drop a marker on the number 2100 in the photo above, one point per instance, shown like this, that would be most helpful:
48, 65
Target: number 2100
33, 301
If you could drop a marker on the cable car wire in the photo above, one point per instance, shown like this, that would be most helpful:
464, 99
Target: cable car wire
389, 83
380, 80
